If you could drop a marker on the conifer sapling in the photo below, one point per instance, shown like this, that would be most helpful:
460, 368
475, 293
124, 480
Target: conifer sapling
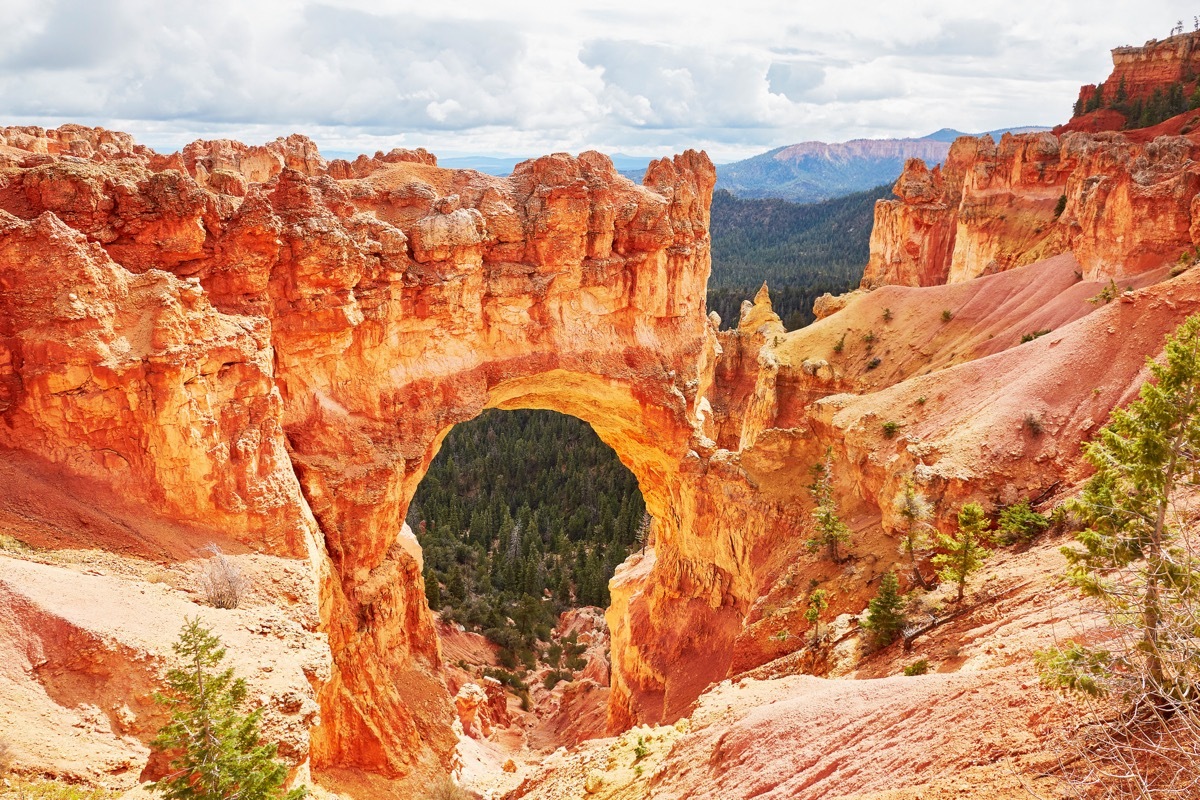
216, 750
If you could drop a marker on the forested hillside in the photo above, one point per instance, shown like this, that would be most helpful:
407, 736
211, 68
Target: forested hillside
523, 514
801, 251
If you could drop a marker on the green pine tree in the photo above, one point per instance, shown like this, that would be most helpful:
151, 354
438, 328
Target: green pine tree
818, 601
916, 540
885, 614
1133, 558
964, 551
218, 755
830, 531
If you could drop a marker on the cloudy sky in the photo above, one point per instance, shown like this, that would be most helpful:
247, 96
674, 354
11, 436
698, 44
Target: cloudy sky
520, 78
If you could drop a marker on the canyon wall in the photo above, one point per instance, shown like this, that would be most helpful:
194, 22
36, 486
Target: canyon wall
1122, 206
1154, 65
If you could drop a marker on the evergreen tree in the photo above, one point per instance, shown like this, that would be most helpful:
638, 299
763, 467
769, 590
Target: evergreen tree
916, 540
964, 551
217, 751
885, 614
830, 532
818, 601
1132, 557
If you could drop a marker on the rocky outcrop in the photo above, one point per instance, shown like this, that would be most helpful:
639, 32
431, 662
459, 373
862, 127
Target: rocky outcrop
282, 362
1139, 71
1122, 206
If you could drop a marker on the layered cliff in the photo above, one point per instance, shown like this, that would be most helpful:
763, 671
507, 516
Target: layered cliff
1122, 206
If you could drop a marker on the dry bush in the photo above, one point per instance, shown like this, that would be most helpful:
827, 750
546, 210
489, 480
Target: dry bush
222, 580
1112, 754
446, 789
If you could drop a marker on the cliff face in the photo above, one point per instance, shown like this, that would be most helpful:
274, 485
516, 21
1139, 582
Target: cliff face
1126, 208
1154, 65
235, 338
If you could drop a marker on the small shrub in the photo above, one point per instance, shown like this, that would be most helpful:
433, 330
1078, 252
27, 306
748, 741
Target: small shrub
917, 668
887, 315
1061, 206
640, 750
1020, 523
42, 789
841, 344
890, 428
921, 400
1107, 294
222, 580
1033, 423
947, 315
869, 339
1029, 337
873, 363
446, 789
554, 677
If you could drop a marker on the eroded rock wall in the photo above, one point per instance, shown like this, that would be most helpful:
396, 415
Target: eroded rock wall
1122, 206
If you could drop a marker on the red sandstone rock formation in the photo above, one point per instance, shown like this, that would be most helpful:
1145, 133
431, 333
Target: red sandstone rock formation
254, 342
992, 207
281, 362
1154, 65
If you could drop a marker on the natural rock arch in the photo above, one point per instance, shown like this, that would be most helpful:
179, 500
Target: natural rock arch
324, 326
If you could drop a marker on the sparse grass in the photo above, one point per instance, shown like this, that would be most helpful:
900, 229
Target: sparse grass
10, 544
869, 339
947, 315
887, 315
841, 344
640, 750
1029, 337
917, 668
41, 789
889, 429
222, 580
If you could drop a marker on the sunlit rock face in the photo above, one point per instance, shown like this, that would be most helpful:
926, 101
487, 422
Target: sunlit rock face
1123, 206
256, 340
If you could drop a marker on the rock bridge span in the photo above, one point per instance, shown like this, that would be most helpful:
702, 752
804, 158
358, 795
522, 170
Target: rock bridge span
260, 342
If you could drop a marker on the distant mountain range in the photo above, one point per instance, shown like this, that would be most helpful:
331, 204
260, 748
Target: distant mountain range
813, 171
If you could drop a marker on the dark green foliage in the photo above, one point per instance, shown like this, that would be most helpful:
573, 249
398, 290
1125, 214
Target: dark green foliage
1096, 100
800, 251
216, 750
947, 315
873, 363
1060, 206
1020, 523
830, 532
522, 515
917, 668
964, 551
885, 613
1134, 557
889, 429
1029, 337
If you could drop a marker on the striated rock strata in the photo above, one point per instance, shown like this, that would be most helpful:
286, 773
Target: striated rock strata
1123, 206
